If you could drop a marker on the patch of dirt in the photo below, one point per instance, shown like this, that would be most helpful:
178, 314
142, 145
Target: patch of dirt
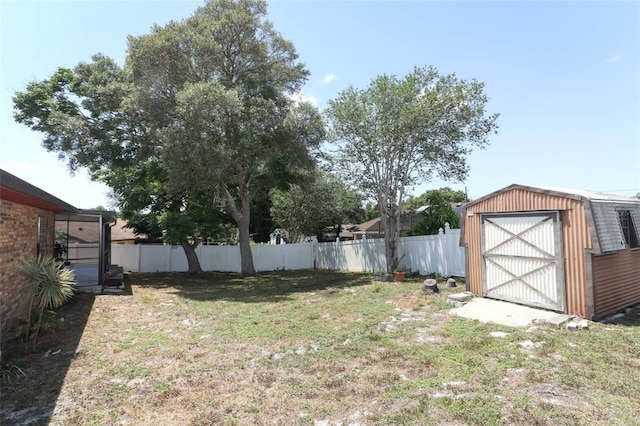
555, 394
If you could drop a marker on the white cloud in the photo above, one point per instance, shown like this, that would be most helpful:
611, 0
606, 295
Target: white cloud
613, 59
328, 78
21, 166
301, 97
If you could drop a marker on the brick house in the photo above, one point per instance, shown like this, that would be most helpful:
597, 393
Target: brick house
27, 223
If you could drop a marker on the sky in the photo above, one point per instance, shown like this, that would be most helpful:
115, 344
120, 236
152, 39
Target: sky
564, 76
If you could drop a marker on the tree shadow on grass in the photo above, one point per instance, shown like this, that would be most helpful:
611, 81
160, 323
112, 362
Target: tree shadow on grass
266, 287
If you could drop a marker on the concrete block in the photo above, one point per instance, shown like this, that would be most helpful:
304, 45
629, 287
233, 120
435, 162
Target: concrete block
559, 320
461, 297
572, 326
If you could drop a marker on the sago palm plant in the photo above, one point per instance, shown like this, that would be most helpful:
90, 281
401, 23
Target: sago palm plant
50, 287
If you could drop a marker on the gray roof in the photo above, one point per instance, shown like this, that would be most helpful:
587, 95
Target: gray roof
605, 208
590, 195
14, 183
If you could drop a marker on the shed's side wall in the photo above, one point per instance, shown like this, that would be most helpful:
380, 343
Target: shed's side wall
616, 280
575, 236
18, 239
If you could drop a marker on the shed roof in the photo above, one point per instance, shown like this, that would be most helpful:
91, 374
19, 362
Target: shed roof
601, 209
578, 194
16, 190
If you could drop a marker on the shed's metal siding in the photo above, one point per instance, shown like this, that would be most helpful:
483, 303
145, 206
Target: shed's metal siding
575, 235
616, 281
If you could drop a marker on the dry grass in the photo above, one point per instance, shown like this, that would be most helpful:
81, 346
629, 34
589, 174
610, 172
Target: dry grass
313, 347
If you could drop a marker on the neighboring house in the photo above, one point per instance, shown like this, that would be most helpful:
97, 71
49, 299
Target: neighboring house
278, 236
571, 251
122, 235
80, 233
27, 221
281, 236
373, 228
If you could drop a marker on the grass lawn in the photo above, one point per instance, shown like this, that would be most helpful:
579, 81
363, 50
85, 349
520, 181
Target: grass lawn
313, 348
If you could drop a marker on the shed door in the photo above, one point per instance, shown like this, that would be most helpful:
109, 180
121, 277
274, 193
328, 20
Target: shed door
522, 259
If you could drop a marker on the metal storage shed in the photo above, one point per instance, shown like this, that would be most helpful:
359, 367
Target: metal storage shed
571, 251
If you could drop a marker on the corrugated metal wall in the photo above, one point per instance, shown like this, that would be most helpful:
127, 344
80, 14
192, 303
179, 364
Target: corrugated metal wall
616, 280
575, 236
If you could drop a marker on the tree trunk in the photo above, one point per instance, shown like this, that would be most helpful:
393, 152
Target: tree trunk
390, 240
242, 217
192, 257
246, 257
247, 268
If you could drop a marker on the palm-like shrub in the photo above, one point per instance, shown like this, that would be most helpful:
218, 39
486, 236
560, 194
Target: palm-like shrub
51, 286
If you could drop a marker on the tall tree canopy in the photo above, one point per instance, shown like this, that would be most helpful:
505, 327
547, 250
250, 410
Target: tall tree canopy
226, 79
399, 132
200, 117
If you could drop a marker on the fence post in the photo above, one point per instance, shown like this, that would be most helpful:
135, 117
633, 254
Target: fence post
283, 260
442, 264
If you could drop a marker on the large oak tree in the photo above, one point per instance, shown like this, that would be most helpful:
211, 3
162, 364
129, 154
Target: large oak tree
200, 116
234, 123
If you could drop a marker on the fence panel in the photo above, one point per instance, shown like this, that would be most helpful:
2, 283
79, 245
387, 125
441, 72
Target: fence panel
177, 259
219, 258
426, 254
154, 258
283, 256
359, 256
298, 256
127, 256
268, 257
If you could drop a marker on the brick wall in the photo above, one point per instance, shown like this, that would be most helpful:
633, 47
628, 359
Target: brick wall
19, 239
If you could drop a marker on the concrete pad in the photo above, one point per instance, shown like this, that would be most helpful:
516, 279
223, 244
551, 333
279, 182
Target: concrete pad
504, 313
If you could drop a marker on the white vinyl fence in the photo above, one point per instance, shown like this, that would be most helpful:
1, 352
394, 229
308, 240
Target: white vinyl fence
426, 254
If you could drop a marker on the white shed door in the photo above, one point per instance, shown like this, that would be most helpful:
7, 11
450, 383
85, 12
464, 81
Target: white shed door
522, 259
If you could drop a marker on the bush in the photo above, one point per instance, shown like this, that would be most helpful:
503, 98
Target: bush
51, 286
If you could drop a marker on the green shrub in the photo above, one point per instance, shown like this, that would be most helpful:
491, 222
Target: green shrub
51, 286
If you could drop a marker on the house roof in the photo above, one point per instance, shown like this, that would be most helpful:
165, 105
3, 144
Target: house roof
374, 226
84, 232
120, 233
16, 190
369, 226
